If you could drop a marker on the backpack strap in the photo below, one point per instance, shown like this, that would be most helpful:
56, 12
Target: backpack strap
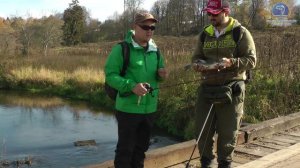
126, 55
202, 37
236, 34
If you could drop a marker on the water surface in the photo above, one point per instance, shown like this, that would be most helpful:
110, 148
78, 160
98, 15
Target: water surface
45, 128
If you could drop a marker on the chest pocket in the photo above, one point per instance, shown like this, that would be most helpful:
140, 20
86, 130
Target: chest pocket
226, 42
216, 48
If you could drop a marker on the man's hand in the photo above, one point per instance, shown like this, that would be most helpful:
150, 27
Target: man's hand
162, 72
225, 63
199, 67
140, 89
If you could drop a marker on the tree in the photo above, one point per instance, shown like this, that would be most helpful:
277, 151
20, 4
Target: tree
177, 17
7, 38
111, 30
50, 32
297, 14
25, 31
258, 14
92, 31
132, 7
74, 20
159, 11
242, 13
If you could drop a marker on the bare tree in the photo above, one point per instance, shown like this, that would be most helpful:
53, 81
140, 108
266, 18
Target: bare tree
132, 6
7, 38
159, 10
50, 32
25, 29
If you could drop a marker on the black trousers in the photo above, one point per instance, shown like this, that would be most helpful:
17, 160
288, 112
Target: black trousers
134, 131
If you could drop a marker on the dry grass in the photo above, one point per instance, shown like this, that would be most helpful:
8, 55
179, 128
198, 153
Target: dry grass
274, 91
42, 74
277, 52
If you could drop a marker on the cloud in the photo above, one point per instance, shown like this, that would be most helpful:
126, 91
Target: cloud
102, 10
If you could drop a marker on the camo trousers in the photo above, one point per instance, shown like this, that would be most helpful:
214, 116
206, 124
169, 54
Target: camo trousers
224, 120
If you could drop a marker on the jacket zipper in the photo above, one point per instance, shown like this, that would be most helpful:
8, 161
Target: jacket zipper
145, 60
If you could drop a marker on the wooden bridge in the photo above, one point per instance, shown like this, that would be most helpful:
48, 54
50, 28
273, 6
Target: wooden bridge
263, 145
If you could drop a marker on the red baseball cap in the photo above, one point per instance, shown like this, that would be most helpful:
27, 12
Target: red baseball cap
216, 6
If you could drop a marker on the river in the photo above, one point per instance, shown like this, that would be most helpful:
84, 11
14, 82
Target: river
44, 130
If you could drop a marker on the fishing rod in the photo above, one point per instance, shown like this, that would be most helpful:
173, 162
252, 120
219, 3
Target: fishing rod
216, 76
198, 139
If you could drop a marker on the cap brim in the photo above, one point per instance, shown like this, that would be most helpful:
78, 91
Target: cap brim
213, 11
142, 21
151, 19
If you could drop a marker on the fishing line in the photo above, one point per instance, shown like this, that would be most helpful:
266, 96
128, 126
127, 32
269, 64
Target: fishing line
216, 76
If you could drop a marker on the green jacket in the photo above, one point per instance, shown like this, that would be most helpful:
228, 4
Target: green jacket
142, 68
213, 49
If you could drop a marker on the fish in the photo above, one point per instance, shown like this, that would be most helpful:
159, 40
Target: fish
207, 66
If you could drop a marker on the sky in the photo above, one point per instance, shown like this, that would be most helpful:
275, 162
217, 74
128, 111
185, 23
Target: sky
98, 9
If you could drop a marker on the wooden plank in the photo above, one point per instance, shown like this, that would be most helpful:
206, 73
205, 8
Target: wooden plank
242, 159
269, 127
291, 135
284, 139
163, 157
255, 152
295, 133
241, 138
275, 142
235, 164
295, 129
280, 156
268, 145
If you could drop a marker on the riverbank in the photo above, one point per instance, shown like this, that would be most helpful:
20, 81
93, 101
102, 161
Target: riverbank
43, 130
76, 73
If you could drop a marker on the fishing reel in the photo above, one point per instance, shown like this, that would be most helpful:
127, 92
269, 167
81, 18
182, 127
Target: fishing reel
149, 88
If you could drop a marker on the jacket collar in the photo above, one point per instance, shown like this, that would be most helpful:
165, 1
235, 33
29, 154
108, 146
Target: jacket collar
151, 44
232, 23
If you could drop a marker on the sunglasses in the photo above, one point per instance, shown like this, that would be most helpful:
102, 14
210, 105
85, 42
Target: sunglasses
146, 27
213, 15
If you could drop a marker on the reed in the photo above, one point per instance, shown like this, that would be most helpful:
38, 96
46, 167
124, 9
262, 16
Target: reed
77, 72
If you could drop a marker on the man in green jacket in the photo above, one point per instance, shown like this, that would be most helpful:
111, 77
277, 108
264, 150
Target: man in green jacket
134, 104
222, 62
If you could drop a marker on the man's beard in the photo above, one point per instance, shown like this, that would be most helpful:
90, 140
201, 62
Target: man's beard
215, 23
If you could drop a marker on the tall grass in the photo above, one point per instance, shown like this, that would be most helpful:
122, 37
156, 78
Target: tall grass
77, 72
69, 72
274, 90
